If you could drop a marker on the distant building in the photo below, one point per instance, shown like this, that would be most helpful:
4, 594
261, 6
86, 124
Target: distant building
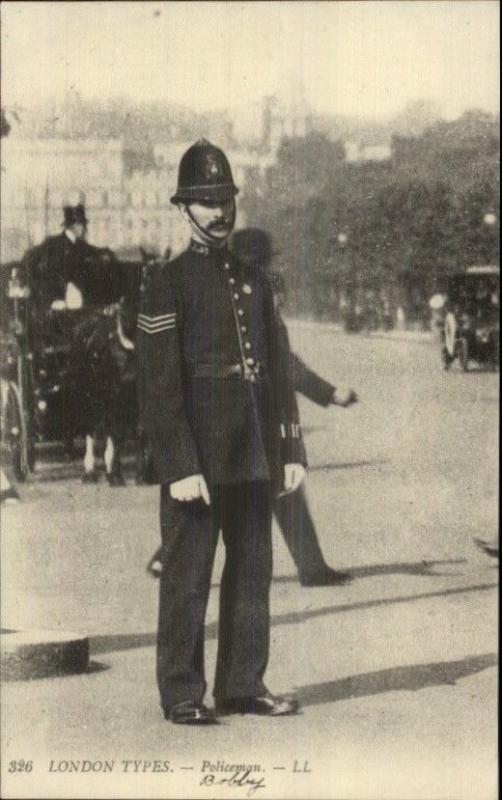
40, 176
126, 193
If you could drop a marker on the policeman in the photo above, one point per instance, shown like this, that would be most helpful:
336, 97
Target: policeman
217, 406
65, 272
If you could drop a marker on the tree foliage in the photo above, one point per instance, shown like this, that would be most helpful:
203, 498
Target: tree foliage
396, 223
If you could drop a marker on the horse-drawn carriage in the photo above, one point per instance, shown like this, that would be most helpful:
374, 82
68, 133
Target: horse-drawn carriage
61, 369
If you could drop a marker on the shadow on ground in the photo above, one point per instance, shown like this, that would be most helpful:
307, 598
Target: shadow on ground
397, 679
126, 641
91, 668
51, 468
425, 568
406, 568
348, 465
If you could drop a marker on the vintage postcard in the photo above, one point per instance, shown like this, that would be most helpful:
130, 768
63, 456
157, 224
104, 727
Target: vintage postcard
250, 292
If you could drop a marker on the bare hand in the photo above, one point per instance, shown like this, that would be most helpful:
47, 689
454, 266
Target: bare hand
293, 477
188, 489
58, 305
344, 397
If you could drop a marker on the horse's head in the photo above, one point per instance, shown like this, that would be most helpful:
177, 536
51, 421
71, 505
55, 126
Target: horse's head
120, 342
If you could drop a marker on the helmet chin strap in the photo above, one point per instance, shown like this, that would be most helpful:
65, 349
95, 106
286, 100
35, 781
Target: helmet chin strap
207, 236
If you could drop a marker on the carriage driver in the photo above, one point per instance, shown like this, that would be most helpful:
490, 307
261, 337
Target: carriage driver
221, 415
65, 272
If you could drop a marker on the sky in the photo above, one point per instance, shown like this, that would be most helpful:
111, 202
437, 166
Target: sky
367, 59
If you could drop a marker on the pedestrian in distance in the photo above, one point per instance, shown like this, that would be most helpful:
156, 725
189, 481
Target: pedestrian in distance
217, 406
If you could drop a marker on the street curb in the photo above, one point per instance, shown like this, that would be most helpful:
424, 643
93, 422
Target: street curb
25, 655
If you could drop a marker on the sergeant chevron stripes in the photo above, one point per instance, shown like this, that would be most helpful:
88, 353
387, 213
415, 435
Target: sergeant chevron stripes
163, 322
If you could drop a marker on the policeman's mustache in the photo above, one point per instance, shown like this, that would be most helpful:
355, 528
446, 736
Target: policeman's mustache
219, 224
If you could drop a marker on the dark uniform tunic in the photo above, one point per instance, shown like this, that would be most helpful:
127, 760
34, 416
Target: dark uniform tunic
215, 399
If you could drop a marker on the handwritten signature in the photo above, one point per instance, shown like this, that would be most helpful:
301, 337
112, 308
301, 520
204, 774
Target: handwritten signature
242, 779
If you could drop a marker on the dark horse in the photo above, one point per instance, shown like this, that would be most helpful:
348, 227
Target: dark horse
104, 375
103, 384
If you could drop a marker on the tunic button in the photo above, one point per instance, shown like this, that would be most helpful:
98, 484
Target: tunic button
240, 312
232, 281
236, 296
250, 361
243, 329
227, 266
247, 346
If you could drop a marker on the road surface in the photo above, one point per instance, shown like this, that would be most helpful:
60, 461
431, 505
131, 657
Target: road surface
396, 672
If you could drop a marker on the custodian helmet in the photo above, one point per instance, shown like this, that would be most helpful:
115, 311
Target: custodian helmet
204, 175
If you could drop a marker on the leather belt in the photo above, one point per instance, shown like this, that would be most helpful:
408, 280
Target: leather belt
254, 373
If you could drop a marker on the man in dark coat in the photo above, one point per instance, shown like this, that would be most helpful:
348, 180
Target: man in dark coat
65, 272
220, 413
291, 510
254, 247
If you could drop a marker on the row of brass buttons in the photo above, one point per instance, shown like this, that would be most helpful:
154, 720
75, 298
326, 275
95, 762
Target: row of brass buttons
249, 361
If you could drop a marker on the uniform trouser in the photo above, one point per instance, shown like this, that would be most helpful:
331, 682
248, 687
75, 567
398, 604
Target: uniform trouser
189, 536
298, 529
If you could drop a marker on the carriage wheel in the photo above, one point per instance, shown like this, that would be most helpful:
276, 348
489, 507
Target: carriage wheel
16, 433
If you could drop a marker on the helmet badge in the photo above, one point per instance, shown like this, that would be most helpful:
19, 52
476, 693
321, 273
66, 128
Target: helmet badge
212, 166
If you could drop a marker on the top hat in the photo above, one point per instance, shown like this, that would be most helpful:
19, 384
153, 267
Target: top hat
74, 215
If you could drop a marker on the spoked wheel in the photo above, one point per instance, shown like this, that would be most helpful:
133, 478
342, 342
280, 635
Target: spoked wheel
15, 432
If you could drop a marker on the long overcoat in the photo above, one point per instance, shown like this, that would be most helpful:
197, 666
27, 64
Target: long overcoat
51, 265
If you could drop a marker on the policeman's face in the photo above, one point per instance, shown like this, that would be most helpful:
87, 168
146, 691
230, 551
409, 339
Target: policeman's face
216, 219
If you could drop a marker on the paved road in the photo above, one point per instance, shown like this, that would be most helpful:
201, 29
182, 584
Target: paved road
396, 672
